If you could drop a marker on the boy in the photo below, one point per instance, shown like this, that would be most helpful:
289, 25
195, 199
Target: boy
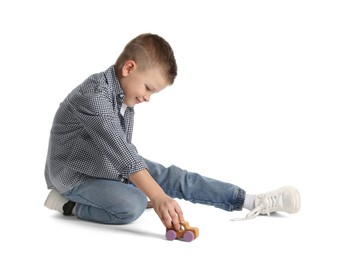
94, 170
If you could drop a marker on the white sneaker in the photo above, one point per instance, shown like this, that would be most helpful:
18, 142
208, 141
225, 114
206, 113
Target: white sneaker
285, 199
55, 201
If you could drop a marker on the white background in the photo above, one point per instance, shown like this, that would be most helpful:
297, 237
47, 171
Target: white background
254, 104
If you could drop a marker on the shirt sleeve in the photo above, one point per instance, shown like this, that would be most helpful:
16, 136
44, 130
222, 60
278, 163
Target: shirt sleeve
103, 134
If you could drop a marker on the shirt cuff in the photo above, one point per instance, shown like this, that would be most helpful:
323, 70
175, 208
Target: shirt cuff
133, 168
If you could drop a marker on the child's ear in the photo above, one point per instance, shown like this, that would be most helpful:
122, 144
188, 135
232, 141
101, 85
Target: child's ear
128, 68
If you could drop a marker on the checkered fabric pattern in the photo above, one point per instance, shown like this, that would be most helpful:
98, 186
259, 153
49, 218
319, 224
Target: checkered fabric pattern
91, 135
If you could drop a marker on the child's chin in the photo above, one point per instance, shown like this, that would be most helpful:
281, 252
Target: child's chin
131, 105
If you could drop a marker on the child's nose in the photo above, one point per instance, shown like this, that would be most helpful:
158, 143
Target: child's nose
147, 98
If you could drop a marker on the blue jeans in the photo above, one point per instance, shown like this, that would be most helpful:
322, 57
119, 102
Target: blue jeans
114, 202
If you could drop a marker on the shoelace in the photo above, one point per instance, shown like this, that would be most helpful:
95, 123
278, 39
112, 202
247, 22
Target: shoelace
265, 206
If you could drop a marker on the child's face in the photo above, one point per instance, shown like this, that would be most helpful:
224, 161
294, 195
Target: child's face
139, 85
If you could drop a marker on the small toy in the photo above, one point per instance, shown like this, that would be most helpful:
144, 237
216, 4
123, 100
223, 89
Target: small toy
185, 232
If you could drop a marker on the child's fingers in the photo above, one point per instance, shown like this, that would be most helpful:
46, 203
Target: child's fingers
166, 220
149, 205
175, 220
180, 214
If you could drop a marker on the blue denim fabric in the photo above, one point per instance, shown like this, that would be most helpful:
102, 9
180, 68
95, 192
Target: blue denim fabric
114, 202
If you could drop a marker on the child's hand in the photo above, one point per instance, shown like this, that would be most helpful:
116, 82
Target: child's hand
168, 211
166, 208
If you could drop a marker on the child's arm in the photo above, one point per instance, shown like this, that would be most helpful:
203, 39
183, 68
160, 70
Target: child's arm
166, 207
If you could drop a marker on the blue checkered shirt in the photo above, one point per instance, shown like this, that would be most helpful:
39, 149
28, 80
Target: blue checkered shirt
91, 135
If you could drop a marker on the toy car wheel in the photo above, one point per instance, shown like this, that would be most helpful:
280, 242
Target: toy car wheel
188, 236
171, 235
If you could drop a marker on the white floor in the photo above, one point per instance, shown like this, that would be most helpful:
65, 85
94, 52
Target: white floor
37, 232
254, 104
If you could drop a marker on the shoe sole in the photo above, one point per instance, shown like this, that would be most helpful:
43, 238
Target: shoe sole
296, 199
52, 200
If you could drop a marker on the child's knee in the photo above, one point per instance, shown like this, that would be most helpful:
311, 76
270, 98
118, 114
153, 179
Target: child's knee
129, 211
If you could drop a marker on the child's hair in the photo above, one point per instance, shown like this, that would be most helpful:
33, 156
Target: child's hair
150, 50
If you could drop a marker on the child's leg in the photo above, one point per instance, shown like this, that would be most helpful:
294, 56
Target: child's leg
108, 201
193, 187
179, 183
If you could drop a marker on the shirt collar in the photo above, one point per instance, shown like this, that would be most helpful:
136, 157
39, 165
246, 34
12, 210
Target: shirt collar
114, 82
